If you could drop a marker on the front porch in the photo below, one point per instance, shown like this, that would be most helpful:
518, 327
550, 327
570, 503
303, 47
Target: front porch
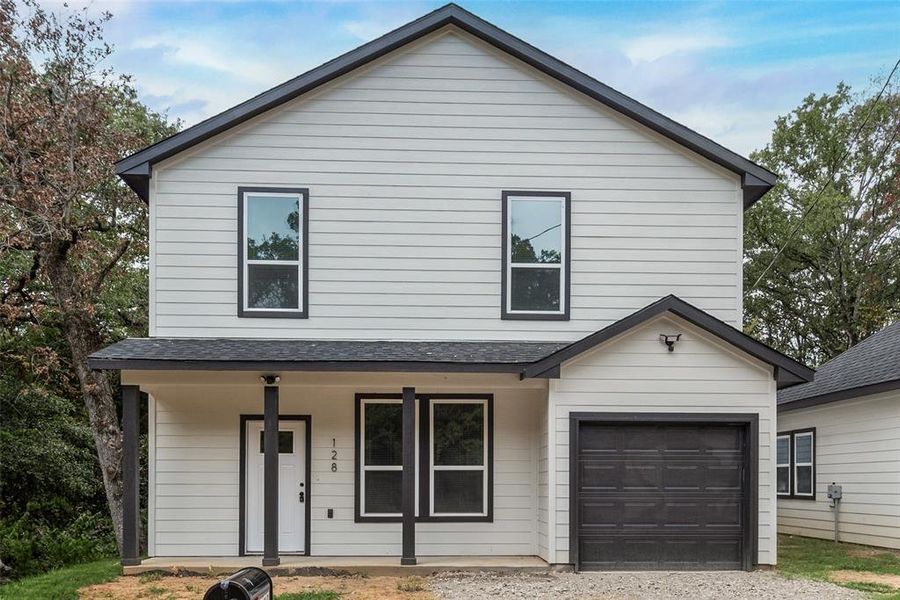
373, 566
211, 467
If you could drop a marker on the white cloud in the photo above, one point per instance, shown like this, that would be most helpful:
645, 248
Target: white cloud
203, 52
646, 48
376, 20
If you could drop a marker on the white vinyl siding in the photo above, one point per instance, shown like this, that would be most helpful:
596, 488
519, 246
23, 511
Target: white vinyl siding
635, 373
857, 447
405, 162
543, 499
195, 462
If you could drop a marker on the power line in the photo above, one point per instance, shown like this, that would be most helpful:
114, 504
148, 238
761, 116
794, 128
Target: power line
542, 233
830, 179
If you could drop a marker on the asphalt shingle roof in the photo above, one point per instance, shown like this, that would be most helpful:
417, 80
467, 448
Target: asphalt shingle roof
874, 360
194, 350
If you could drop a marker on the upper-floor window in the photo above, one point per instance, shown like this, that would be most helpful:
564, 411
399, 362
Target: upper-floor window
536, 255
272, 252
796, 464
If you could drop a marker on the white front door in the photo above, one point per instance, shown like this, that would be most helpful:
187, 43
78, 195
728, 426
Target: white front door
291, 486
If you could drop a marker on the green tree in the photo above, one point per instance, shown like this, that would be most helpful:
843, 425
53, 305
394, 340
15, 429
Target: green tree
838, 277
73, 239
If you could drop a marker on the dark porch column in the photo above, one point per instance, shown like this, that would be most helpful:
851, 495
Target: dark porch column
270, 471
408, 484
131, 473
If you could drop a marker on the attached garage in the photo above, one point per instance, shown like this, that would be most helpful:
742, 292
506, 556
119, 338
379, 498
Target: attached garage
668, 492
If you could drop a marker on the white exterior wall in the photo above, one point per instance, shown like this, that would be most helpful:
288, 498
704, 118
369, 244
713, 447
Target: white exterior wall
405, 160
858, 447
543, 500
635, 373
195, 449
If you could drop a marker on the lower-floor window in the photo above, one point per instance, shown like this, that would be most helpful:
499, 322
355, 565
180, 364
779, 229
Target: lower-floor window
382, 457
795, 464
453, 457
459, 442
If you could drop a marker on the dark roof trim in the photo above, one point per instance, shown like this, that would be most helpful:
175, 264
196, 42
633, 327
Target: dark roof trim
251, 365
135, 169
865, 390
787, 370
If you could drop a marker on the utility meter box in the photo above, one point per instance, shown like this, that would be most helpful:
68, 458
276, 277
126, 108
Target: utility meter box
834, 492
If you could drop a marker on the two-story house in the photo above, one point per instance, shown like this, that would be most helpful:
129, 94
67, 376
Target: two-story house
447, 296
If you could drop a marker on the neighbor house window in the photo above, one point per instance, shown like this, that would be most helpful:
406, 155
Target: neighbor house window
803, 464
272, 228
454, 480
783, 465
535, 255
795, 464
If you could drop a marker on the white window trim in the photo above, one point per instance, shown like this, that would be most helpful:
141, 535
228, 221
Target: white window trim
563, 285
779, 465
484, 462
363, 469
810, 464
298, 263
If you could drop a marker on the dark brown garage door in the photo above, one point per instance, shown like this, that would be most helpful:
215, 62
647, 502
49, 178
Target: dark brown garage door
659, 495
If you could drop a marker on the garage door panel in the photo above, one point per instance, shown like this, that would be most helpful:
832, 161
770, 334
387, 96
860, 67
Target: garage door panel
723, 514
723, 440
660, 496
683, 477
724, 478
599, 477
640, 553
709, 512
641, 477
653, 475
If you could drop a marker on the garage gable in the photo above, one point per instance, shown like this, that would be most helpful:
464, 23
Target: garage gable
786, 370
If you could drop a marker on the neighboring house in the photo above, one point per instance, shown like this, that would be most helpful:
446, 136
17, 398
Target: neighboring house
493, 302
844, 428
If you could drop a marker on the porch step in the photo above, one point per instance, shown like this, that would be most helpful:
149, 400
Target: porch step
342, 565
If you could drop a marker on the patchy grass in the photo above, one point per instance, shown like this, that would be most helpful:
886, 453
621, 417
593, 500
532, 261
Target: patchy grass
818, 559
61, 584
151, 576
309, 595
411, 584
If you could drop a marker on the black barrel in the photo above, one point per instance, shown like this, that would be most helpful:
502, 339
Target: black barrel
247, 584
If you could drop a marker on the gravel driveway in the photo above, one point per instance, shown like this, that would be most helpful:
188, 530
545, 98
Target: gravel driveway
757, 585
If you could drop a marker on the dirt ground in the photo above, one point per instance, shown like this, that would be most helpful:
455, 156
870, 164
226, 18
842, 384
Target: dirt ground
892, 581
192, 588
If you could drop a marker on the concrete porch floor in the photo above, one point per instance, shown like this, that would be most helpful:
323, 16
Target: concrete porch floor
337, 565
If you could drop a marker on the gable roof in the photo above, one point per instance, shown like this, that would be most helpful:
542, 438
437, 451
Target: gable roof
787, 370
136, 169
869, 367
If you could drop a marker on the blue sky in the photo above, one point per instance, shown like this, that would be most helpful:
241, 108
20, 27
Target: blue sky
726, 69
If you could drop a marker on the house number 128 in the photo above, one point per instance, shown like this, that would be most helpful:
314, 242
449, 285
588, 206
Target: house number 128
333, 455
